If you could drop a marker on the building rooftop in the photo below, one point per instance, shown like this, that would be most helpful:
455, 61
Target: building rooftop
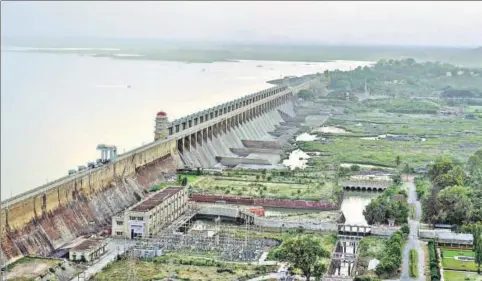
88, 244
156, 199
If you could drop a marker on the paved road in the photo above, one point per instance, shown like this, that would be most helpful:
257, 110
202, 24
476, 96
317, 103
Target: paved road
413, 241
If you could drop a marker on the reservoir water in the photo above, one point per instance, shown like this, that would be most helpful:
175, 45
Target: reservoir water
56, 108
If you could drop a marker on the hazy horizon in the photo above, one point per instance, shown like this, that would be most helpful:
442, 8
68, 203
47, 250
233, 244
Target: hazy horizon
407, 24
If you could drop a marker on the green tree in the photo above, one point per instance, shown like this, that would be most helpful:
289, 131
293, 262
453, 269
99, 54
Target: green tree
306, 95
319, 269
405, 228
355, 168
455, 207
444, 172
381, 209
304, 251
407, 170
474, 169
478, 251
397, 160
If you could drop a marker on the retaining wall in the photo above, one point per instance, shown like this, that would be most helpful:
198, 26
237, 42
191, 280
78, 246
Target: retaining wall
277, 203
247, 151
275, 223
234, 161
261, 144
84, 214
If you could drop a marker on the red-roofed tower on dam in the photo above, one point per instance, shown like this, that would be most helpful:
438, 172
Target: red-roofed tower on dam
161, 126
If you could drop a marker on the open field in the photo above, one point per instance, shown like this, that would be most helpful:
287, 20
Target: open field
461, 276
28, 268
309, 189
417, 139
448, 261
181, 268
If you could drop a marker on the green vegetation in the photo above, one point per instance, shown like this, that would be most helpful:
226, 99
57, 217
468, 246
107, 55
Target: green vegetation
434, 262
422, 187
392, 256
449, 262
456, 196
461, 276
386, 207
413, 263
328, 242
445, 172
407, 78
198, 52
407, 106
184, 268
369, 248
28, 268
306, 95
306, 253
261, 184
417, 139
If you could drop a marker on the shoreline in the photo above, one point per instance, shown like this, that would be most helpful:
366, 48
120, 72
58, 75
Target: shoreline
186, 56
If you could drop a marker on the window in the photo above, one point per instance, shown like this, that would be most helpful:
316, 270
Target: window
119, 222
140, 218
119, 233
132, 218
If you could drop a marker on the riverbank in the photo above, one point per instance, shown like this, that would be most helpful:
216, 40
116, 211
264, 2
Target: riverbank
196, 52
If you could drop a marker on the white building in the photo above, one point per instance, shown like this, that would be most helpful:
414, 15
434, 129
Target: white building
149, 216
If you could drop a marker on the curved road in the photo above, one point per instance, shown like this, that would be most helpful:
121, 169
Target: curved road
413, 241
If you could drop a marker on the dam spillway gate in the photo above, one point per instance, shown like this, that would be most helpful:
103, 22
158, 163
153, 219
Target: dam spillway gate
253, 127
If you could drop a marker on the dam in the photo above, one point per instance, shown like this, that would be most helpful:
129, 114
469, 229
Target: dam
41, 220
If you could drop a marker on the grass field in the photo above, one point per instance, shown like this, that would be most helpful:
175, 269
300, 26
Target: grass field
28, 268
461, 276
149, 270
425, 136
313, 190
449, 262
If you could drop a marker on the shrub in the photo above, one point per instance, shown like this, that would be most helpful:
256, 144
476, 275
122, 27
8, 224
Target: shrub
413, 263
434, 265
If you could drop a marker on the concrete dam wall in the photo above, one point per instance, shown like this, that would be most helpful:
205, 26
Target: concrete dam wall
213, 147
41, 220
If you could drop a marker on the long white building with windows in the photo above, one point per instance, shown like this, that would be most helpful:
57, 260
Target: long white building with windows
148, 217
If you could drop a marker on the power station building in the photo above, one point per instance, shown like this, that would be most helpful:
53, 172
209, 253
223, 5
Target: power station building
148, 217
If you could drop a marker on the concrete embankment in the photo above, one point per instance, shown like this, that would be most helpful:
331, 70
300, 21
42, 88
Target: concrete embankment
81, 212
265, 202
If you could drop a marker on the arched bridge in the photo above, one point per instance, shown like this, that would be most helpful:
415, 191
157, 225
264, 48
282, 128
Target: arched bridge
365, 185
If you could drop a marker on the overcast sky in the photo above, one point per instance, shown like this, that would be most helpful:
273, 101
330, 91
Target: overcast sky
394, 23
